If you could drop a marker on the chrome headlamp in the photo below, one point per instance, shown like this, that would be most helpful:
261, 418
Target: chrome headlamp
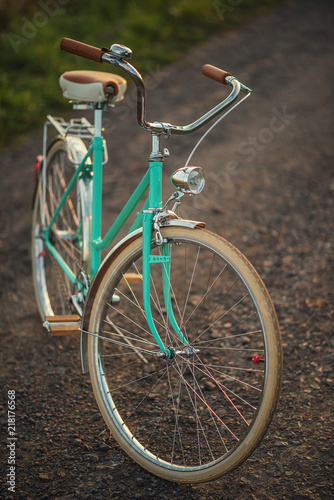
189, 180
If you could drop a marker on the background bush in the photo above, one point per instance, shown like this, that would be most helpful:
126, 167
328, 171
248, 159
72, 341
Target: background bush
158, 31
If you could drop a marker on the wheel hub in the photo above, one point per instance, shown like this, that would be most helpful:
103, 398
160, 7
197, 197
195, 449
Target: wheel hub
171, 353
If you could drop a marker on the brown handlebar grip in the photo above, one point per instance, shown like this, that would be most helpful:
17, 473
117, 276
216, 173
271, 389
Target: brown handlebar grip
215, 73
82, 49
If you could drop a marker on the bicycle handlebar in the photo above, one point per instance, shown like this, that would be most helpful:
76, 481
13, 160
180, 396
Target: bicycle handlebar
82, 49
215, 73
115, 59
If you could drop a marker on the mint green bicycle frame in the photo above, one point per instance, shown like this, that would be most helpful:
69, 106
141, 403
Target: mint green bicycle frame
152, 181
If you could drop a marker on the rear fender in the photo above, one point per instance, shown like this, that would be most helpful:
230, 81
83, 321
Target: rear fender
76, 151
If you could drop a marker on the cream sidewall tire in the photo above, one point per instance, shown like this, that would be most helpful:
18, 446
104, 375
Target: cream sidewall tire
272, 385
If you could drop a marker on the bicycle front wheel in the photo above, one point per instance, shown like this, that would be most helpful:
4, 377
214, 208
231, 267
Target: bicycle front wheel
200, 413
68, 235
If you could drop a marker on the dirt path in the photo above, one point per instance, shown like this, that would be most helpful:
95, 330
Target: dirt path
270, 191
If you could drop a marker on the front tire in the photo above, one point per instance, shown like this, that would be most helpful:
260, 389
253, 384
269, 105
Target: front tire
201, 413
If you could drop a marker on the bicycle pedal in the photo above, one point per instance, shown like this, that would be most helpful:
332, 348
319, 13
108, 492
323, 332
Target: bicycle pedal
132, 278
62, 325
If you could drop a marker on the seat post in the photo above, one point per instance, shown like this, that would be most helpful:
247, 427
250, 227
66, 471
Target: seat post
98, 121
97, 188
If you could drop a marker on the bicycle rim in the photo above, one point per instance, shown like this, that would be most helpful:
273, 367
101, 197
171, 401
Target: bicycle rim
68, 235
198, 415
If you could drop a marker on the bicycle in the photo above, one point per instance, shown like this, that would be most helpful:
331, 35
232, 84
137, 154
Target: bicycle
177, 330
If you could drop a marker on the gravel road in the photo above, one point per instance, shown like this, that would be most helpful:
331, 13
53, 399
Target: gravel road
270, 187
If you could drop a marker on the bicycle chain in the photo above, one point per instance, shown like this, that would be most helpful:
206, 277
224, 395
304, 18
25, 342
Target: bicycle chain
81, 269
61, 281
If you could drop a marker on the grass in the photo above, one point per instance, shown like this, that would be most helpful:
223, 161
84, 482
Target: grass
158, 32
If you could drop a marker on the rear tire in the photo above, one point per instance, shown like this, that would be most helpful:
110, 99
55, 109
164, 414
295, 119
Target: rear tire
69, 233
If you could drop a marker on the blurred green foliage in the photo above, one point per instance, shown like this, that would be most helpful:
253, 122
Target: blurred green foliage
158, 31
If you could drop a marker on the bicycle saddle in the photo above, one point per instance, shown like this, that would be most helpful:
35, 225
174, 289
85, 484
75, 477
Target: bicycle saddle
92, 86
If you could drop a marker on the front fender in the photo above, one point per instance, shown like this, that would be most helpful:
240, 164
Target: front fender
115, 251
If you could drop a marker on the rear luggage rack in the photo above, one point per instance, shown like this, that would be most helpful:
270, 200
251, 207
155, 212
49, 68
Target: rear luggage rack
79, 127
75, 129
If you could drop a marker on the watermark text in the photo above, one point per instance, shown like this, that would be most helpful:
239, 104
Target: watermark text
11, 446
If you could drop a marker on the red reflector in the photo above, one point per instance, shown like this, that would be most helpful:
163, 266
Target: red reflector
256, 359
38, 161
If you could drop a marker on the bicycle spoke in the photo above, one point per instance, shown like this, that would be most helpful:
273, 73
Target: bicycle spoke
68, 200
145, 396
212, 412
134, 337
223, 386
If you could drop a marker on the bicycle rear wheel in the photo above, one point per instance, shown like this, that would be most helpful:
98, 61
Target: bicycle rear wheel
199, 414
68, 235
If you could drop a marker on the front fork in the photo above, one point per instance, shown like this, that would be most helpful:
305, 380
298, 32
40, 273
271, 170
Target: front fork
163, 259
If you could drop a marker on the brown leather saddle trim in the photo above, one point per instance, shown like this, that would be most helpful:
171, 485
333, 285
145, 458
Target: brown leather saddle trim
106, 79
